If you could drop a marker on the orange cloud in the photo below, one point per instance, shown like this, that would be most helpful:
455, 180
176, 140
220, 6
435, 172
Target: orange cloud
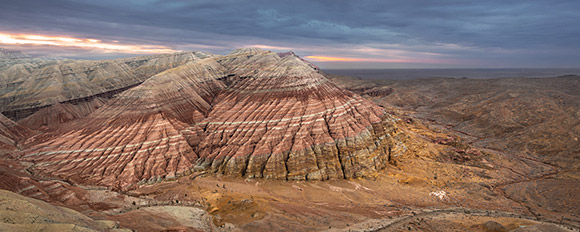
330, 58
269, 47
378, 60
61, 41
346, 59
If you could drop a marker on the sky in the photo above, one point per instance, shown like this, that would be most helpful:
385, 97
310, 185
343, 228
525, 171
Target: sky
330, 33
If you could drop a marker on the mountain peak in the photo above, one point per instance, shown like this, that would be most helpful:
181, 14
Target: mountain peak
284, 54
250, 114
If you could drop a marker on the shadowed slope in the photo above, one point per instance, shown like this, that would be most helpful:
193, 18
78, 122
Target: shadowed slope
284, 120
27, 87
10, 133
251, 113
134, 137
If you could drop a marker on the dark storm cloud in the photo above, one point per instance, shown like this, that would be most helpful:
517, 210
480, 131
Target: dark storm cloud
522, 33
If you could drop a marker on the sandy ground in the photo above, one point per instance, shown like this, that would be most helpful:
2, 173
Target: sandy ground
451, 177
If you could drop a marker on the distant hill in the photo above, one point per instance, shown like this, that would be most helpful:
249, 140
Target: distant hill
12, 54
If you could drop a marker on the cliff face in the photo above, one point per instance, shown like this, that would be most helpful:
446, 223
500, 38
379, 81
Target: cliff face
252, 113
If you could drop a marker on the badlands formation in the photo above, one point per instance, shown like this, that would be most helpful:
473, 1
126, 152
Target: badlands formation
45, 93
251, 114
263, 141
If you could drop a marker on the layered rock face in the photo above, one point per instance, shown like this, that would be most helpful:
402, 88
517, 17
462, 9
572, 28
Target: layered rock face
29, 86
47, 190
52, 116
284, 120
252, 113
135, 137
11, 132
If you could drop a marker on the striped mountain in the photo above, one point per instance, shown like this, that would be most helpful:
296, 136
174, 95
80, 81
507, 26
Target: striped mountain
45, 93
252, 113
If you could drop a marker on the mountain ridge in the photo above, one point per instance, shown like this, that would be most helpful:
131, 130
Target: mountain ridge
251, 113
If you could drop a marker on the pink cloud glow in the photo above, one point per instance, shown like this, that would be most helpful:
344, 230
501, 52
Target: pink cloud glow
377, 60
85, 43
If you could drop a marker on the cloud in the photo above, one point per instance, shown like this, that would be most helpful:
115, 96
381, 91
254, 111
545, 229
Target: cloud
376, 60
332, 59
83, 43
491, 33
269, 47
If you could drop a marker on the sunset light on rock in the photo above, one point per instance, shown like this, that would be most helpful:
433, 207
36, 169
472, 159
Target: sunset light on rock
302, 115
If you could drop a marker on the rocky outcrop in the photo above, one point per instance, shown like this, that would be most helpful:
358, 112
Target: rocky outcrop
52, 116
10, 133
27, 87
251, 113
13, 177
135, 137
284, 120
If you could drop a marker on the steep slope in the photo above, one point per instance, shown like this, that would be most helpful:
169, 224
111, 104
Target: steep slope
53, 116
28, 87
251, 113
10, 133
13, 177
284, 120
135, 137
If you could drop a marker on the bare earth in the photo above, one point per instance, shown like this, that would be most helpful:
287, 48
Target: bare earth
472, 155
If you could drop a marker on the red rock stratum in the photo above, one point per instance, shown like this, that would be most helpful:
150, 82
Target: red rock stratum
252, 113
10, 133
